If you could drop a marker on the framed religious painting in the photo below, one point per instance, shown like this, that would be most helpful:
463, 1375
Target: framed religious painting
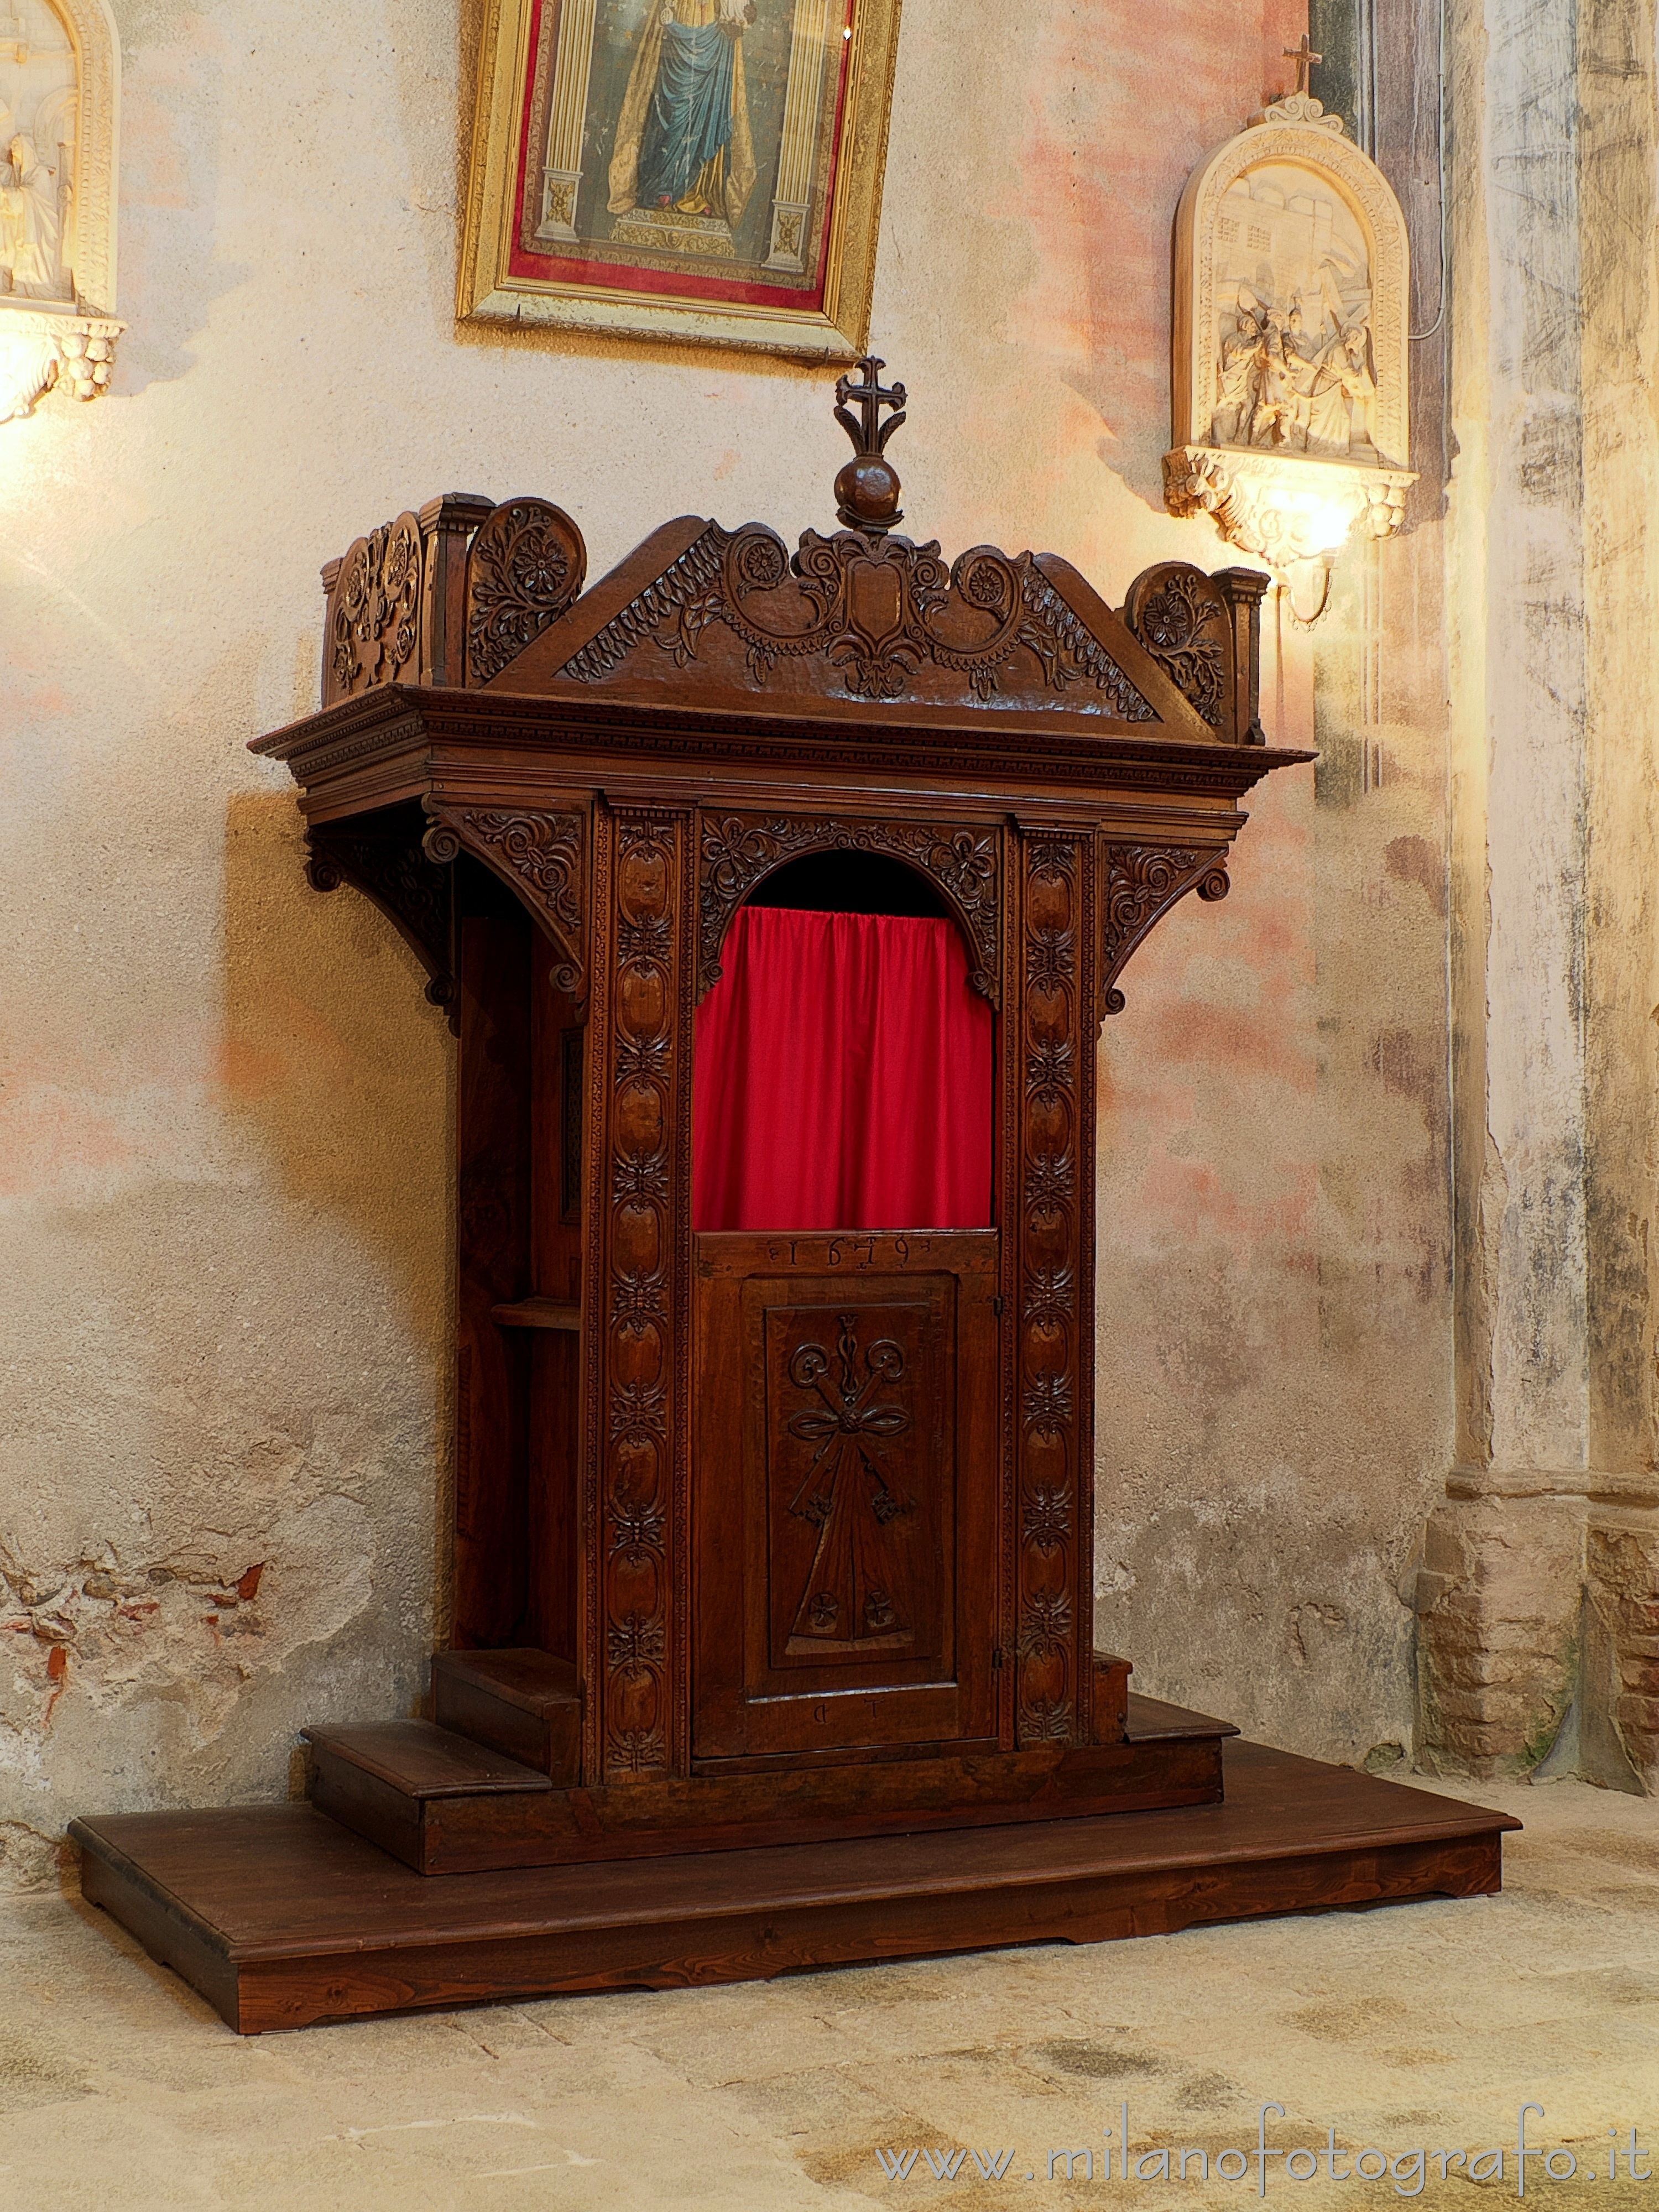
702, 170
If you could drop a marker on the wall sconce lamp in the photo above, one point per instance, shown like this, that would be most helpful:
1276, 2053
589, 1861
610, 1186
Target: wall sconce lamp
1290, 371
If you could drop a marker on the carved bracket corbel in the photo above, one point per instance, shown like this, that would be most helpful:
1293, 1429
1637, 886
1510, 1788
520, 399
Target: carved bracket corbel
402, 881
1143, 882
542, 855
739, 851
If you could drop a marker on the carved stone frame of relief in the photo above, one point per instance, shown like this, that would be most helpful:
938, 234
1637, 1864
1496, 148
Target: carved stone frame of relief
517, 117
71, 346
1256, 495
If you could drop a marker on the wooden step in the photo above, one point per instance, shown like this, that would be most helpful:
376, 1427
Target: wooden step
526, 1704
387, 1779
446, 1805
281, 1918
1150, 1720
1111, 1702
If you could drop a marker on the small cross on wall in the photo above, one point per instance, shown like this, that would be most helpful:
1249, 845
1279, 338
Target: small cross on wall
1305, 57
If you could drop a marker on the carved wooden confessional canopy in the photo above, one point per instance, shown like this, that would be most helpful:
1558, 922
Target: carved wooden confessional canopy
626, 763
460, 637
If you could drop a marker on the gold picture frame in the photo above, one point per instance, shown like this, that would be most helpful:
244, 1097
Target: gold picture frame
703, 171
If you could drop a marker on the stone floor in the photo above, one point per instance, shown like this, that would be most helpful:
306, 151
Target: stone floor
1417, 2027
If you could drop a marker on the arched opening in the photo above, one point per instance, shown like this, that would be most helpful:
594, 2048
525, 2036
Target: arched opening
844, 1062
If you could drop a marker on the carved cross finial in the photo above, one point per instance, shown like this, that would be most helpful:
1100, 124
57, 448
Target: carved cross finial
1305, 57
871, 435
867, 489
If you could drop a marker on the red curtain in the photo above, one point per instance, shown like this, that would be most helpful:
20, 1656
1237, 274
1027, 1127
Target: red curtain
844, 1078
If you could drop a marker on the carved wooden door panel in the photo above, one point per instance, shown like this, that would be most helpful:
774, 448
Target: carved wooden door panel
846, 1492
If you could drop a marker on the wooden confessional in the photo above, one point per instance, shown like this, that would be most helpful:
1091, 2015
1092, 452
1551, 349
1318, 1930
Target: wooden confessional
773, 1624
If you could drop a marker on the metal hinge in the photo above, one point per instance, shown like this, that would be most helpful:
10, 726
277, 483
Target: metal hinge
996, 1306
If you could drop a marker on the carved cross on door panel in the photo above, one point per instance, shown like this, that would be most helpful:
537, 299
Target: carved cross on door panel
858, 1442
855, 1589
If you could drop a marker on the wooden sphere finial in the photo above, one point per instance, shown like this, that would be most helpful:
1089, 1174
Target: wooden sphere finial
867, 488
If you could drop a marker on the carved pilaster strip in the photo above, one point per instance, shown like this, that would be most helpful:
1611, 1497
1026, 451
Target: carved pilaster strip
739, 851
446, 524
1054, 1214
542, 853
1143, 882
1243, 589
639, 1364
407, 888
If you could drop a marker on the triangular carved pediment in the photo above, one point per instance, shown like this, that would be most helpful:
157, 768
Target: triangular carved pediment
703, 616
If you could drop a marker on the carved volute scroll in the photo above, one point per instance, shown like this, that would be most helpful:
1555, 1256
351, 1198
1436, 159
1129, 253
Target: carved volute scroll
739, 851
526, 564
1143, 882
636, 1360
542, 853
392, 871
886, 620
1055, 1219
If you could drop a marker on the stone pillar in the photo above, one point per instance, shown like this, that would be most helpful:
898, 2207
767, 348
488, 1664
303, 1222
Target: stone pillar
1538, 1595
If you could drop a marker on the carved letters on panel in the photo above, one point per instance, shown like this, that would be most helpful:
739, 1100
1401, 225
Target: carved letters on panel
644, 1200
1051, 1427
739, 851
1143, 882
542, 851
878, 613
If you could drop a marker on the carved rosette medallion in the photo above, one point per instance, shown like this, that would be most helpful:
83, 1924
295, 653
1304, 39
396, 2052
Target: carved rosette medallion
526, 565
1143, 882
542, 855
739, 851
1053, 1428
876, 613
637, 1362
1182, 618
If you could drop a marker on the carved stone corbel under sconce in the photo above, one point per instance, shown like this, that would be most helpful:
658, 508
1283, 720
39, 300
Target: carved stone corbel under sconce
59, 103
1291, 375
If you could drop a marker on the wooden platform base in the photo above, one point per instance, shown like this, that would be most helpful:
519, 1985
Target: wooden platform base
282, 1918
445, 1803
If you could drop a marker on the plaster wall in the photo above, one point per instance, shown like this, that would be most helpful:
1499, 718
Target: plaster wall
225, 1157
1539, 1596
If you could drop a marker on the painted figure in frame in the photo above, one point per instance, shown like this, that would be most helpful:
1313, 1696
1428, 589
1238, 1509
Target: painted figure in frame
682, 138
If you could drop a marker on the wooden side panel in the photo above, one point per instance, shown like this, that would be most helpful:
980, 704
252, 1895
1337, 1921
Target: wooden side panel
636, 1340
1054, 1223
493, 1182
